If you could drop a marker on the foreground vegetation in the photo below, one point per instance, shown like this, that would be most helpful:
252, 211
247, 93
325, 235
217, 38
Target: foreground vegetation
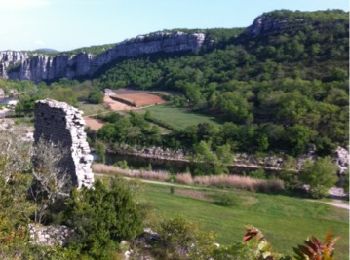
284, 220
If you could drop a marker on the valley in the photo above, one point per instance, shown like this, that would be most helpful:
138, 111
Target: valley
196, 133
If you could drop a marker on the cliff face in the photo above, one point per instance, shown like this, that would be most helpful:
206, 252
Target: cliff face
24, 66
264, 25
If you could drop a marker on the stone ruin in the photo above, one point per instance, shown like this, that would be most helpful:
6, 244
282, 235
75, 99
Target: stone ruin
64, 125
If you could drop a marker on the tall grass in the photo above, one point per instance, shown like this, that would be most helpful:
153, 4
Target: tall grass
184, 178
240, 182
145, 174
229, 181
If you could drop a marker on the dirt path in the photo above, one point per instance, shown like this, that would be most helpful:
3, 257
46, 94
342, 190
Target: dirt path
334, 203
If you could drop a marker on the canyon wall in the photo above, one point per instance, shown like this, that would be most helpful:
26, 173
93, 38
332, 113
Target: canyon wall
37, 67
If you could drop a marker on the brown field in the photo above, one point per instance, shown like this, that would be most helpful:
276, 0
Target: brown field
135, 98
93, 123
115, 105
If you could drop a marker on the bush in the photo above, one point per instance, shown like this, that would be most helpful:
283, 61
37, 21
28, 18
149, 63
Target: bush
102, 217
95, 97
180, 239
122, 164
224, 199
258, 173
319, 175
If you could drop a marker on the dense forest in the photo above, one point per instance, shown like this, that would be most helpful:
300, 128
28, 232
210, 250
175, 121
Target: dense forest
282, 89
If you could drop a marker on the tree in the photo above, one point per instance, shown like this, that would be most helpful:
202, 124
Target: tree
299, 138
102, 216
50, 182
210, 162
319, 175
234, 107
95, 97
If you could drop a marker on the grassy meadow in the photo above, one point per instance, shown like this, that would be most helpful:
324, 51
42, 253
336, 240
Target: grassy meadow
285, 221
178, 118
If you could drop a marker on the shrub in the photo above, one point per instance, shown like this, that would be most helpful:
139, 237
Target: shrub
258, 173
181, 238
319, 175
95, 97
224, 199
102, 217
122, 164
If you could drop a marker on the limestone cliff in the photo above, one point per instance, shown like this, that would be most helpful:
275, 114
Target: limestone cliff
38, 67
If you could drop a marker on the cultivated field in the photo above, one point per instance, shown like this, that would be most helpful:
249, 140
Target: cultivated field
124, 99
178, 118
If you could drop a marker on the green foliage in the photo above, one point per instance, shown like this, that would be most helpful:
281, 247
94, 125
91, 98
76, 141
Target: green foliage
224, 199
122, 164
284, 90
132, 129
208, 162
95, 97
236, 251
259, 174
181, 238
102, 216
101, 152
320, 175
96, 50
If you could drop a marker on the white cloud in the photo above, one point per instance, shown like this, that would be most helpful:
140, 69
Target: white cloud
23, 4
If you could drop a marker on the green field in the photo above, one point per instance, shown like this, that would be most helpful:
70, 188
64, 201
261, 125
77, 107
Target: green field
178, 118
285, 221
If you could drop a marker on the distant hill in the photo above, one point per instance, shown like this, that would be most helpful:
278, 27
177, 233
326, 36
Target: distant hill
46, 51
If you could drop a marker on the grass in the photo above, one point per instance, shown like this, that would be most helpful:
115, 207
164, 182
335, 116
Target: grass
285, 221
92, 109
178, 118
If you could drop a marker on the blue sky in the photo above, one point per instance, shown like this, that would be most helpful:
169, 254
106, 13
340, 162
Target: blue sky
69, 24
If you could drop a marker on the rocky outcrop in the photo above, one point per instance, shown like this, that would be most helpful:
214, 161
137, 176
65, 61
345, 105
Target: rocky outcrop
25, 66
265, 24
64, 125
49, 235
11, 60
342, 160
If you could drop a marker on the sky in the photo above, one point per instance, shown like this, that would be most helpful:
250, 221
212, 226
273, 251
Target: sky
69, 24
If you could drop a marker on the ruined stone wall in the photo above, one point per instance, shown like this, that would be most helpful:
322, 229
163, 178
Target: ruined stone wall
64, 125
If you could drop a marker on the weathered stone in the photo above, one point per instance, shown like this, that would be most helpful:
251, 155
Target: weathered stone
49, 235
342, 159
24, 66
53, 124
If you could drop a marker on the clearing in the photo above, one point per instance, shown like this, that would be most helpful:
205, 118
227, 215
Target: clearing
178, 118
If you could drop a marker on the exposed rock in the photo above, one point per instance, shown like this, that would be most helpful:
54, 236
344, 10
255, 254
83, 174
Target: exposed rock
62, 124
49, 235
23, 66
342, 159
263, 25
